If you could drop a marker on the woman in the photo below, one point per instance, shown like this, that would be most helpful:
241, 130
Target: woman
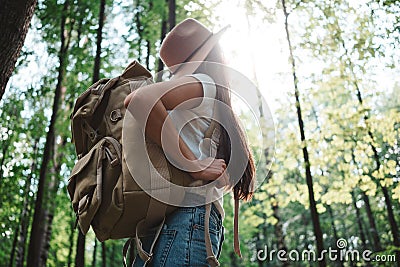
183, 242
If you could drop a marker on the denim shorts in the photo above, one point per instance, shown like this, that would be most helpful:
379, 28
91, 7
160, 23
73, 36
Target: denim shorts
181, 242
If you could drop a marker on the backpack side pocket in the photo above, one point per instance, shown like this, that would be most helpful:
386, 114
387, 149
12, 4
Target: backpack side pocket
85, 186
112, 203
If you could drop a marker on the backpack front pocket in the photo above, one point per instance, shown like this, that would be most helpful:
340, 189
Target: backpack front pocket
92, 174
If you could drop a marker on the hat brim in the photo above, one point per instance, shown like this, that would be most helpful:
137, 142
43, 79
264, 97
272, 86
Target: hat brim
191, 65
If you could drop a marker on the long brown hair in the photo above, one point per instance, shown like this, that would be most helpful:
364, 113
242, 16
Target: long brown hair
244, 185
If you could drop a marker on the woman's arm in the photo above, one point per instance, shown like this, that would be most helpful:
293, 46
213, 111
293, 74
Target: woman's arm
187, 92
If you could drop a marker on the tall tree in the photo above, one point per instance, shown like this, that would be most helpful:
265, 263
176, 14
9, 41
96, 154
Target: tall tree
15, 18
103, 254
359, 221
171, 14
38, 223
94, 258
96, 77
52, 189
160, 65
307, 165
99, 39
80, 247
139, 28
166, 24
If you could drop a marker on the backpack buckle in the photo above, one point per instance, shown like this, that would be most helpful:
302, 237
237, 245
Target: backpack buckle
93, 135
149, 258
115, 115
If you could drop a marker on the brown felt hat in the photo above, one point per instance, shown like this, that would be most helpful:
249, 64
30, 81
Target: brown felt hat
188, 41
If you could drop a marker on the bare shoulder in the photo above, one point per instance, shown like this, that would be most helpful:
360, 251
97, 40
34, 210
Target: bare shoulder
180, 90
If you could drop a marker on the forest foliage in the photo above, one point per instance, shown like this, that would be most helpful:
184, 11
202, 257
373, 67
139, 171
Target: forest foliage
350, 117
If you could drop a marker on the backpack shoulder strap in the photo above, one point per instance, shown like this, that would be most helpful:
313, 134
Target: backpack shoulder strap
210, 130
214, 125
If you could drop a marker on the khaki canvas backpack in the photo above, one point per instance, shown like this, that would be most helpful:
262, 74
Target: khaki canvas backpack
104, 195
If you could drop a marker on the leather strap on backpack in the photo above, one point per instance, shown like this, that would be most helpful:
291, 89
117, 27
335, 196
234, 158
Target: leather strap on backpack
141, 229
211, 258
142, 225
236, 242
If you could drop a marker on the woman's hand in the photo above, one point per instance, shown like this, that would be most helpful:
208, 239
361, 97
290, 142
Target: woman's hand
211, 169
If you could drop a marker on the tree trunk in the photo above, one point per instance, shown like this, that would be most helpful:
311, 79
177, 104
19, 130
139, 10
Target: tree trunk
96, 70
148, 42
139, 30
392, 221
359, 221
170, 23
94, 253
52, 194
80, 250
80, 247
15, 18
171, 14
309, 179
38, 223
49, 215
103, 254
160, 66
148, 46
372, 225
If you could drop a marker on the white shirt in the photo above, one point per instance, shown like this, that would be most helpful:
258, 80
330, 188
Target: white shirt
193, 123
